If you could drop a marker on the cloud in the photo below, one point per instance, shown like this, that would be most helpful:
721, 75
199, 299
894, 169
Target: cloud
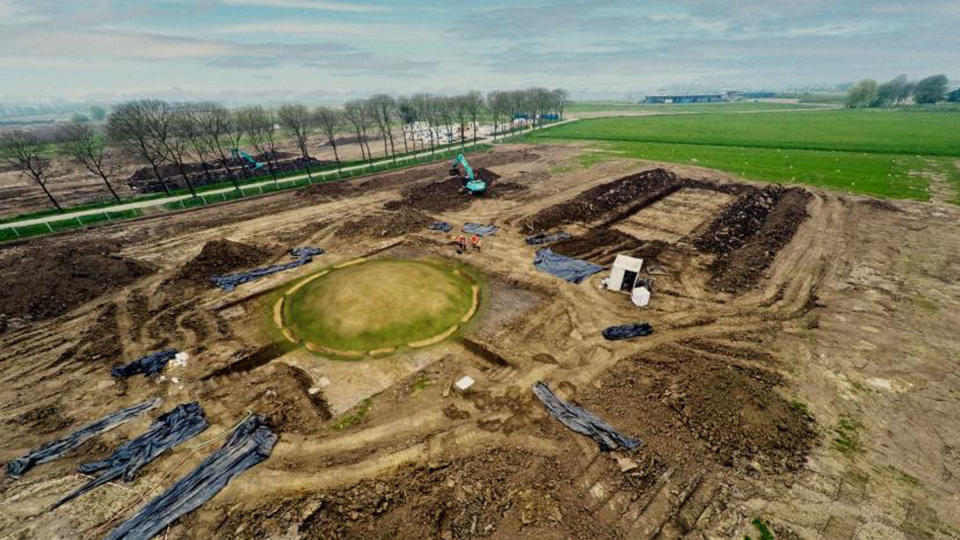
318, 5
364, 30
107, 45
835, 29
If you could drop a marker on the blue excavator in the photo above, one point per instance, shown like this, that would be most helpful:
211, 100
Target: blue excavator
474, 185
249, 162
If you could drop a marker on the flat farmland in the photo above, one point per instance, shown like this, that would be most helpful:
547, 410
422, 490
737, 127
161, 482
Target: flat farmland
880, 153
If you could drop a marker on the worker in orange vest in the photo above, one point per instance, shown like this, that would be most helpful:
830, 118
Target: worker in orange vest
475, 242
461, 243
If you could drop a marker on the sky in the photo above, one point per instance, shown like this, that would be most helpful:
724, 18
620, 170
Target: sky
330, 50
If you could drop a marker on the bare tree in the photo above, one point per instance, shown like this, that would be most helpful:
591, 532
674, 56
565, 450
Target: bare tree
382, 109
88, 146
258, 124
297, 120
445, 110
329, 121
356, 113
177, 143
473, 103
141, 127
560, 98
495, 103
190, 124
458, 106
216, 125
407, 113
24, 151
422, 104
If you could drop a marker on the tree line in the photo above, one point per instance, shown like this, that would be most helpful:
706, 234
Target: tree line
897, 91
160, 134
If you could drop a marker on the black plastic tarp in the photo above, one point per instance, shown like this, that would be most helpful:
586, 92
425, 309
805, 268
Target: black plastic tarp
249, 444
568, 268
229, 282
627, 331
583, 421
148, 365
57, 448
301, 252
544, 238
441, 226
167, 431
479, 229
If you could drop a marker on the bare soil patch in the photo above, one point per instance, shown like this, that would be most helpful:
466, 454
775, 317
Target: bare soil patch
731, 413
221, 257
749, 234
40, 283
277, 390
386, 224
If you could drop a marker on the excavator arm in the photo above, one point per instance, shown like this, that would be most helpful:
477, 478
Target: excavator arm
241, 155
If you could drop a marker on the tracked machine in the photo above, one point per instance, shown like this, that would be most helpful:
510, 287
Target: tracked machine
459, 167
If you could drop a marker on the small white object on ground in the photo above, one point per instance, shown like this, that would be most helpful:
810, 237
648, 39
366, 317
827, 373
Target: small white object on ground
323, 382
464, 383
180, 359
313, 391
640, 296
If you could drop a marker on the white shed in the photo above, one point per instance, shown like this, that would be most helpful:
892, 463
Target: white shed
623, 275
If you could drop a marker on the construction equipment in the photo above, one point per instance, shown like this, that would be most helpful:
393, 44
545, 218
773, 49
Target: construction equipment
251, 163
473, 184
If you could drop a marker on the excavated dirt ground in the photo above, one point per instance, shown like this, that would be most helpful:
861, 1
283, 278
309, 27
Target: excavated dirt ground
802, 370
40, 284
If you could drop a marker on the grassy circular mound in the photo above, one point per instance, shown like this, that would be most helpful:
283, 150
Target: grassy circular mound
378, 304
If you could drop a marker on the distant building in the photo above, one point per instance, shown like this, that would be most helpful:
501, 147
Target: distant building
690, 98
750, 95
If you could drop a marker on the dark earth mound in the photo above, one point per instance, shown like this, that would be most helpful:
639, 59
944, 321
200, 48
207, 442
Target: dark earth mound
450, 195
386, 224
327, 191
747, 236
221, 257
44, 282
629, 193
599, 246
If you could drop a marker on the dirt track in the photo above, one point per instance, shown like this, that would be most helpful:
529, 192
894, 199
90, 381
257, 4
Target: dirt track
837, 307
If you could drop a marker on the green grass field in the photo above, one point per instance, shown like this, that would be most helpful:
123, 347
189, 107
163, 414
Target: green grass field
886, 132
621, 106
884, 153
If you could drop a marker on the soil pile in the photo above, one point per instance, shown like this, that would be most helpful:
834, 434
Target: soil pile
450, 195
221, 257
633, 192
598, 246
445, 196
328, 191
674, 396
739, 221
49, 280
486, 175
386, 224
750, 233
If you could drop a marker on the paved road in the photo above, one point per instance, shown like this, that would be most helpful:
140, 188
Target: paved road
246, 188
